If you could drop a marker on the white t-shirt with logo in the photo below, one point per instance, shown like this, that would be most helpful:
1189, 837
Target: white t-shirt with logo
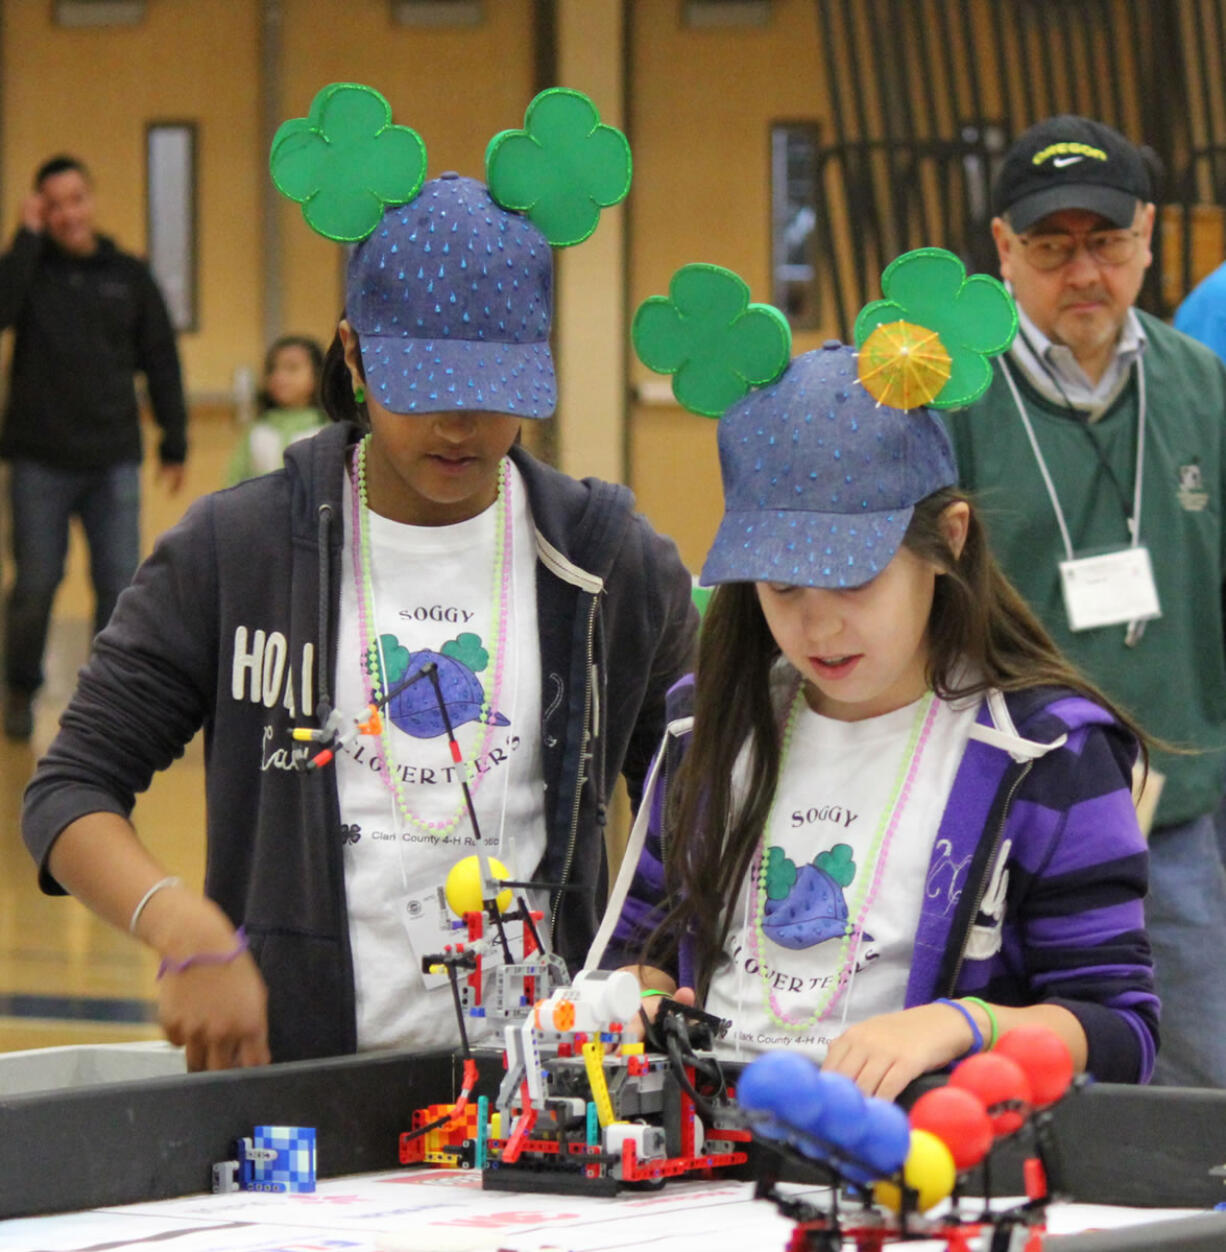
831, 861
435, 599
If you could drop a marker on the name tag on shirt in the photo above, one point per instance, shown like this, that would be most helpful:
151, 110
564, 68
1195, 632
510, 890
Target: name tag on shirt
427, 921
1110, 589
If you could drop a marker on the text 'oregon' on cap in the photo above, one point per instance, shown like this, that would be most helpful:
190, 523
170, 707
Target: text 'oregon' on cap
1070, 162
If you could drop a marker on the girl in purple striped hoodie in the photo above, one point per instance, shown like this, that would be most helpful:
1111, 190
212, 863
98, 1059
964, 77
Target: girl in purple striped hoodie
889, 821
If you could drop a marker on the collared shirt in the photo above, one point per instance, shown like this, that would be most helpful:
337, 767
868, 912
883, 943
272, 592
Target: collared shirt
1055, 373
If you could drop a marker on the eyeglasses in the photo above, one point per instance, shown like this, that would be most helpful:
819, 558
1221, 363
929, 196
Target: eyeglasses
1106, 247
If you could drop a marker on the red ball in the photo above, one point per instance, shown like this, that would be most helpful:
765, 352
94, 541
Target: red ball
1001, 1085
1044, 1058
959, 1120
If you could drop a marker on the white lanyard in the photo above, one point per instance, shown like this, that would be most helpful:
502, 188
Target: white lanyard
1134, 522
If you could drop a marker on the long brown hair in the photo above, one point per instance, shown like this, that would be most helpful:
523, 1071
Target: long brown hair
981, 635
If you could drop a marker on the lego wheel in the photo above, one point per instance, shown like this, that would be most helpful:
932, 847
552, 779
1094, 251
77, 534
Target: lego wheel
645, 1184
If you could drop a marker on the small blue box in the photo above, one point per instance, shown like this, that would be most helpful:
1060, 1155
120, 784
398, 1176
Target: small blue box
291, 1167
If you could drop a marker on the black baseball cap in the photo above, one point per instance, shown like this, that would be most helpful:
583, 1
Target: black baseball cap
1070, 162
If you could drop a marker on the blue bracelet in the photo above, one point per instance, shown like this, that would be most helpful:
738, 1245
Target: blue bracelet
976, 1033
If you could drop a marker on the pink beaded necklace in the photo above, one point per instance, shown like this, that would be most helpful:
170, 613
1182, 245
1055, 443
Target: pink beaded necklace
878, 853
370, 650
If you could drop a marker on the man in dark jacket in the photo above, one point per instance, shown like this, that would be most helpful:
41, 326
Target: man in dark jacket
88, 317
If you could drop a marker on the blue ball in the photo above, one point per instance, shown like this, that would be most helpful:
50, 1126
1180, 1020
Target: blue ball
840, 1115
886, 1140
783, 1084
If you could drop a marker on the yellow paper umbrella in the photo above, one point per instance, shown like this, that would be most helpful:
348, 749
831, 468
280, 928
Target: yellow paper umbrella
903, 365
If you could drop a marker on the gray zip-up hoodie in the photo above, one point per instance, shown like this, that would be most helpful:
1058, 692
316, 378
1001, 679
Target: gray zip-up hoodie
230, 625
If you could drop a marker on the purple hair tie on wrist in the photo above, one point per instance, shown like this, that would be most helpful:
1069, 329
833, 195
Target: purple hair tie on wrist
169, 966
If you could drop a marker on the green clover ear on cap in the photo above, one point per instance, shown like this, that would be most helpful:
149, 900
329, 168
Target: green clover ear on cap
974, 318
710, 338
345, 162
562, 168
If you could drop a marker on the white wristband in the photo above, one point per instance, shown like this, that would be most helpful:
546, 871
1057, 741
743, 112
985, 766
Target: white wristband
172, 881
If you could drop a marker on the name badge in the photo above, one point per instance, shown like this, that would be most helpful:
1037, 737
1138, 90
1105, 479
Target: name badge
427, 921
1109, 589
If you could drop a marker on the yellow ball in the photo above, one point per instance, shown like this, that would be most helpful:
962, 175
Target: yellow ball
928, 1170
463, 885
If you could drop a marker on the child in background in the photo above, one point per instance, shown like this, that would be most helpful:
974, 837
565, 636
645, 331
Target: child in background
413, 536
898, 822
289, 409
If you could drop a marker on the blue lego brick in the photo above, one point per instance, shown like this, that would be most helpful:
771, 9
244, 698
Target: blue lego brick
292, 1167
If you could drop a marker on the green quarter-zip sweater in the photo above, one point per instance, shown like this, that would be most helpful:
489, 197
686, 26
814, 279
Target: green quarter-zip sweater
1174, 679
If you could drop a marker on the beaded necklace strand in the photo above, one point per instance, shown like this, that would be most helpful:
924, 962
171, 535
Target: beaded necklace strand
371, 651
878, 853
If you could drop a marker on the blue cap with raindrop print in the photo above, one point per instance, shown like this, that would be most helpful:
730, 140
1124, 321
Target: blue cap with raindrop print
820, 478
824, 463
451, 296
450, 285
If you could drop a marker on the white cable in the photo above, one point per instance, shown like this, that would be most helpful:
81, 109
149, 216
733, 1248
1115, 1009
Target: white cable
634, 849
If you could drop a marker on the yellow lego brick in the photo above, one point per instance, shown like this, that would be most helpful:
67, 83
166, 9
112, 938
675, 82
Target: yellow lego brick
593, 1060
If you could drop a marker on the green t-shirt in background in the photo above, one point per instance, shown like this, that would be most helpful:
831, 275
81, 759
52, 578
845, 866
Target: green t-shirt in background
262, 446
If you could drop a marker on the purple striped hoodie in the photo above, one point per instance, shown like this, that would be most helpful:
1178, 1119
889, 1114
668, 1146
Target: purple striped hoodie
1040, 817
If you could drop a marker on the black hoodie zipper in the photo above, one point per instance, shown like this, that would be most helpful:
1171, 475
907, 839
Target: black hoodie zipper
581, 779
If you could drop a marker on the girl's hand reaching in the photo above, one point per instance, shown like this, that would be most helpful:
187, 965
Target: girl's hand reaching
652, 979
218, 1013
651, 1005
887, 1052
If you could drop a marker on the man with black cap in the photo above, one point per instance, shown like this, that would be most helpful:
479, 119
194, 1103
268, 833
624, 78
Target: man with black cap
1099, 453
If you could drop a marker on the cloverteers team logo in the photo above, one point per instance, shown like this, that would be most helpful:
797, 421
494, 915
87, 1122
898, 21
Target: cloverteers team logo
805, 904
415, 710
